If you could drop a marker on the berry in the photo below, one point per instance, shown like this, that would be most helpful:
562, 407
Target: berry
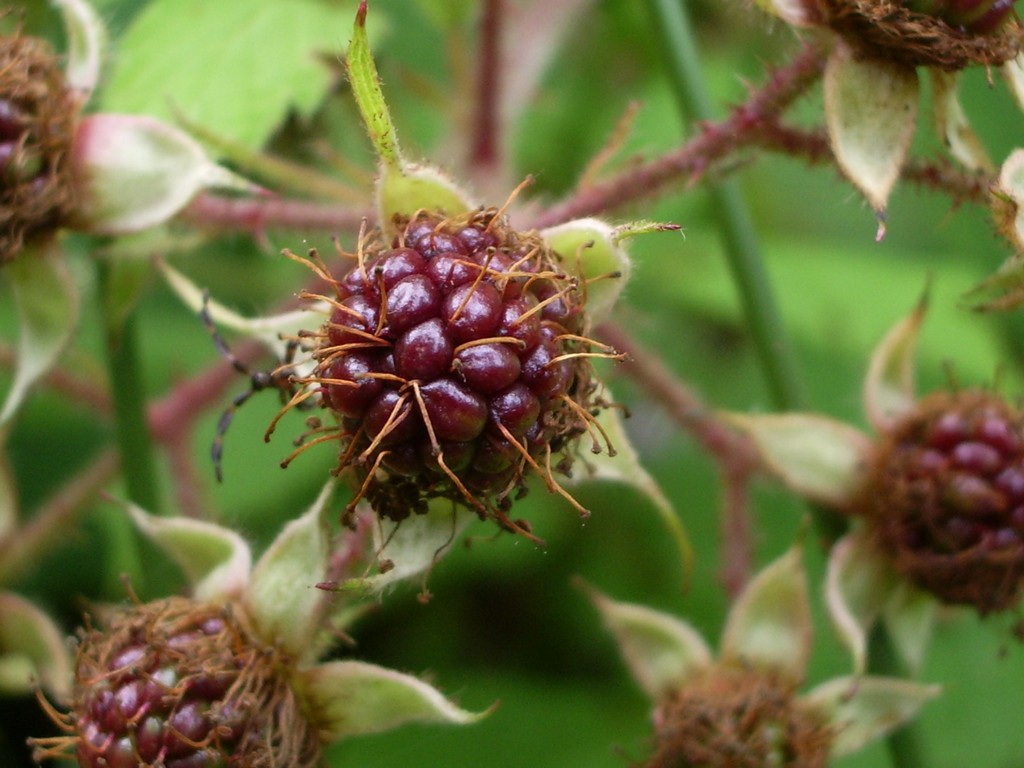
37, 121
456, 360
177, 684
945, 498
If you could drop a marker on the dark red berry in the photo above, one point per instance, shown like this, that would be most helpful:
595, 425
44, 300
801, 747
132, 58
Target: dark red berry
945, 494
483, 330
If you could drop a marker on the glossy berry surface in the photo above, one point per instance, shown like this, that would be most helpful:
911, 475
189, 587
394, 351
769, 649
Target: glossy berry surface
179, 685
946, 497
451, 358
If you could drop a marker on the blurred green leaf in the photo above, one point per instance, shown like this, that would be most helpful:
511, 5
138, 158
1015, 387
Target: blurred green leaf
234, 67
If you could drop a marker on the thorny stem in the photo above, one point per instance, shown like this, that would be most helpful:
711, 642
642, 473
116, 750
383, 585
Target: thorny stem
812, 145
732, 450
714, 142
742, 250
257, 215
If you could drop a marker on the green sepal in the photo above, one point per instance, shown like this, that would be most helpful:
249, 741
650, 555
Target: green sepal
817, 457
863, 709
661, 651
402, 187
87, 38
889, 385
413, 546
350, 698
769, 625
282, 598
621, 464
46, 300
216, 561
32, 650
138, 172
871, 111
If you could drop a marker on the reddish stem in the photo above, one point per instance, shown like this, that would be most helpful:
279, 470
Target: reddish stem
485, 140
256, 215
715, 141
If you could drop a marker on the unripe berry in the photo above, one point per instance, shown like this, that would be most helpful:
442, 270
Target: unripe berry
728, 715
177, 684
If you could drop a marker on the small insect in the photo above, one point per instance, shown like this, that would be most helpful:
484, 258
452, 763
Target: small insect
281, 378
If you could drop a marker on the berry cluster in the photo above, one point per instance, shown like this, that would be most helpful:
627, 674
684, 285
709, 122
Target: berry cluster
456, 360
976, 17
179, 685
946, 498
37, 119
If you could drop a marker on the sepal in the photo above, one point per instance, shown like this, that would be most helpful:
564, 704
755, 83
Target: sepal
46, 300
889, 383
215, 560
863, 709
412, 546
350, 698
817, 457
623, 465
137, 172
402, 187
769, 626
32, 650
282, 598
87, 38
871, 111
661, 651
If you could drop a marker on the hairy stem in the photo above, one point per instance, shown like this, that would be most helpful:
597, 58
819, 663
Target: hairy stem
714, 142
742, 250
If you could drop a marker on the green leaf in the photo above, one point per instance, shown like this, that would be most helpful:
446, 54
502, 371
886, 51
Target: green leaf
769, 625
889, 384
871, 110
348, 698
817, 457
863, 709
282, 598
661, 651
245, 65
47, 305
139, 172
215, 560
32, 649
